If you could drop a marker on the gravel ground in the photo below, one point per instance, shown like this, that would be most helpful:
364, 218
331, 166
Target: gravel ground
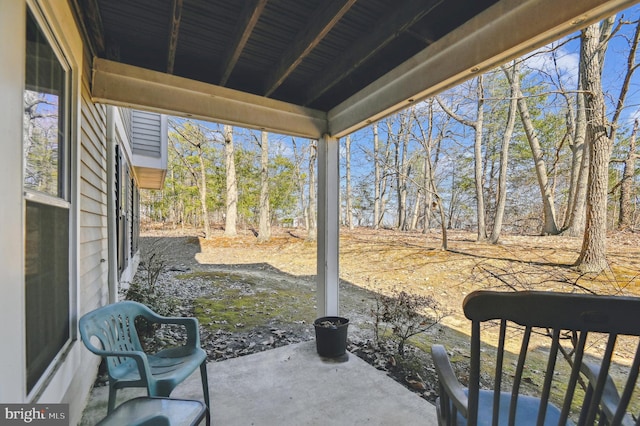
185, 282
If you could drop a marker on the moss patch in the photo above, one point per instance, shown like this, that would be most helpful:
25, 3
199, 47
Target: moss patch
242, 302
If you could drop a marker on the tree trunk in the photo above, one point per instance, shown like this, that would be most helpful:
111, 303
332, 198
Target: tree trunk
550, 226
416, 208
203, 194
264, 228
431, 191
376, 178
349, 196
312, 231
443, 225
504, 159
232, 184
385, 173
405, 170
403, 192
192, 134
477, 150
594, 244
626, 184
477, 154
298, 157
428, 196
400, 163
574, 226
600, 136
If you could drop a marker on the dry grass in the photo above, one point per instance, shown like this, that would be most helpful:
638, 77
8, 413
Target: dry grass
378, 261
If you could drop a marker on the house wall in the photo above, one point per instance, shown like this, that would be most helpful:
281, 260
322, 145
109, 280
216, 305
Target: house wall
93, 239
122, 127
149, 146
75, 372
147, 138
72, 373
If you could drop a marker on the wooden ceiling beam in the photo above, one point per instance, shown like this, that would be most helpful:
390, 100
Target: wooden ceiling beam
425, 36
386, 30
323, 21
248, 20
174, 30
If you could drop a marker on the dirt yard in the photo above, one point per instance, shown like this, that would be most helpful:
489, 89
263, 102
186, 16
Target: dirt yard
379, 260
252, 296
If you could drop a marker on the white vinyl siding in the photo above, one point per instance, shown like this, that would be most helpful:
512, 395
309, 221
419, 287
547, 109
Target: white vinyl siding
92, 223
146, 131
93, 202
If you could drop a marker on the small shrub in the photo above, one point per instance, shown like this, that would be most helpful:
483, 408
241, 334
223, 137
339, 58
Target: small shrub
144, 289
403, 315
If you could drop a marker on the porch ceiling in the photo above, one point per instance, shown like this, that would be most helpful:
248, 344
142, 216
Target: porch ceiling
335, 64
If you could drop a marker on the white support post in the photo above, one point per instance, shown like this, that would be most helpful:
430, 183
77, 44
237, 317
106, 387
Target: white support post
328, 226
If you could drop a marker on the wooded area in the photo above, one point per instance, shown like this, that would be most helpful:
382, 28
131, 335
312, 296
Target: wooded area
545, 145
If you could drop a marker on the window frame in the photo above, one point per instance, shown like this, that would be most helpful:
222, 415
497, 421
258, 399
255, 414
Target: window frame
68, 177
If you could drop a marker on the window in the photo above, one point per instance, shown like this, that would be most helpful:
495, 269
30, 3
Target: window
47, 203
123, 209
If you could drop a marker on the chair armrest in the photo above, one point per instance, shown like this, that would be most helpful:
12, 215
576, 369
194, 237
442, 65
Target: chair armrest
448, 380
610, 396
190, 324
139, 357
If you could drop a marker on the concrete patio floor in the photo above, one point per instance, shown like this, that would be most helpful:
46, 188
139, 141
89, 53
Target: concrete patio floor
292, 385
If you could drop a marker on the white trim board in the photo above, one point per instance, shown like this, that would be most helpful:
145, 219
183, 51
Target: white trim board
139, 88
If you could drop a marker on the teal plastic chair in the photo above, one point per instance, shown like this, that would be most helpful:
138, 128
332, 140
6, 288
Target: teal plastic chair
128, 365
152, 411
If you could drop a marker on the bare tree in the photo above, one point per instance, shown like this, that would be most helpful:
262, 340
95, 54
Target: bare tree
349, 195
574, 216
401, 167
504, 158
300, 180
376, 179
264, 228
601, 134
428, 142
419, 196
231, 216
381, 173
477, 126
312, 230
384, 169
193, 135
626, 184
550, 226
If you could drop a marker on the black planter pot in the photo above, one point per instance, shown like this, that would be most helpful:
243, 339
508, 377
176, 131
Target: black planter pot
331, 336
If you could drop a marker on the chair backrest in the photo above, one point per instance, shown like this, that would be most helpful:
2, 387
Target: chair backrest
557, 337
114, 326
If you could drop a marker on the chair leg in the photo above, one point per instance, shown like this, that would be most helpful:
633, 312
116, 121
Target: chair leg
205, 389
112, 399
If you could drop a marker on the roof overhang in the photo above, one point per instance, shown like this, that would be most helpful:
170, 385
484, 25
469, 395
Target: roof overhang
149, 177
138, 88
505, 31
502, 31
